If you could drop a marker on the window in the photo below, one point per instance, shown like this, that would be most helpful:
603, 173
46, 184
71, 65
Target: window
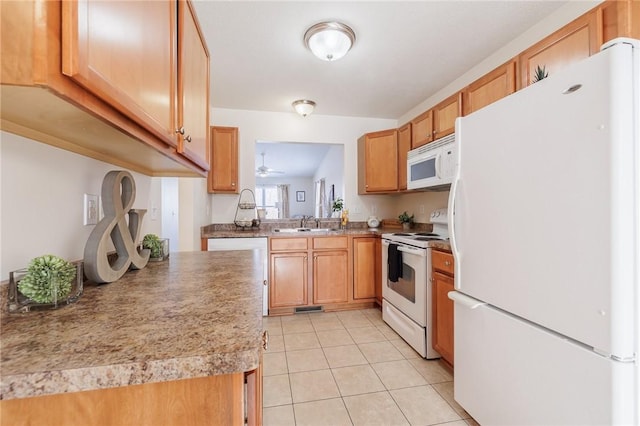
267, 198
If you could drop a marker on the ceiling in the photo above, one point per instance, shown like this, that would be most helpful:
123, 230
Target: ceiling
404, 51
294, 159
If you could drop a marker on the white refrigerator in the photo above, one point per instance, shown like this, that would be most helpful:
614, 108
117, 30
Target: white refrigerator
544, 228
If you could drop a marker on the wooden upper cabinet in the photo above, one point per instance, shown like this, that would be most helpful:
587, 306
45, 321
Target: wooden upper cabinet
223, 175
124, 52
101, 79
422, 129
445, 114
493, 86
378, 162
193, 88
404, 146
620, 18
575, 41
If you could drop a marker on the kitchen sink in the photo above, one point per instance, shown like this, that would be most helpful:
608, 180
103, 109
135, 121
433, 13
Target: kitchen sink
292, 230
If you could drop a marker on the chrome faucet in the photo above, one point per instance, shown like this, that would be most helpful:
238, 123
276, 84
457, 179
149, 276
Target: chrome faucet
304, 220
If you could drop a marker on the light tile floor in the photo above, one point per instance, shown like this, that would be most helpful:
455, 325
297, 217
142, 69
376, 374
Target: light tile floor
350, 368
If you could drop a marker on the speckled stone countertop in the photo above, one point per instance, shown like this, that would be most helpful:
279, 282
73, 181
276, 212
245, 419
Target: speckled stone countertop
222, 231
197, 314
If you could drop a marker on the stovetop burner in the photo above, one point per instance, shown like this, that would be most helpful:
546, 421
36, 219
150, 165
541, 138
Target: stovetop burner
402, 234
426, 234
427, 238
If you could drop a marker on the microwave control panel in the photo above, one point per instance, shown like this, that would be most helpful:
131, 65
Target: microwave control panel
448, 161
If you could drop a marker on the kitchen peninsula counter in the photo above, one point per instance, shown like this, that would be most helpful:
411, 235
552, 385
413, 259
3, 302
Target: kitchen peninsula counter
198, 314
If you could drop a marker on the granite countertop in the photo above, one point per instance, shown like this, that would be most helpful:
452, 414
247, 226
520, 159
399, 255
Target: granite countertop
217, 231
197, 314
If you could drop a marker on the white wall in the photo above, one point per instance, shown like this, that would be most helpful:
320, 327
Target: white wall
332, 171
42, 193
289, 127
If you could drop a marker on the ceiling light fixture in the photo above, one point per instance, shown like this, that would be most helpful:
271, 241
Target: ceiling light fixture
303, 107
329, 41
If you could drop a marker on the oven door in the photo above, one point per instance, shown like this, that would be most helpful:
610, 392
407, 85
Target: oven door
409, 293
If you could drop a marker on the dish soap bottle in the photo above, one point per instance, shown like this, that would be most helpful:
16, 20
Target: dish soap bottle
345, 219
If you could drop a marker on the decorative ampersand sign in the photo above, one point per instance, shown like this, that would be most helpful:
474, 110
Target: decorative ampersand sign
116, 206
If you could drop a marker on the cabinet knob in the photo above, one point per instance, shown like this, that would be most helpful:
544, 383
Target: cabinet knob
447, 263
233, 184
265, 340
180, 130
188, 138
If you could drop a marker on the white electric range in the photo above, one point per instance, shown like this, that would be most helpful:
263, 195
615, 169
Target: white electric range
406, 304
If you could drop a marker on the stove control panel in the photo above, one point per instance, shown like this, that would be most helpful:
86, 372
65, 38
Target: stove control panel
439, 216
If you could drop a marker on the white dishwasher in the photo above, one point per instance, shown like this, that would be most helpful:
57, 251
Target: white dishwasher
259, 245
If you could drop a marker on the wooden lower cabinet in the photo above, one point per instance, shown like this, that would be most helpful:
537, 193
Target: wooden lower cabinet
338, 272
366, 259
330, 277
288, 279
442, 306
214, 400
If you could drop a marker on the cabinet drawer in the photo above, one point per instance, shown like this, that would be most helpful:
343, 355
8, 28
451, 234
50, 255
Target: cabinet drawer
442, 261
288, 243
330, 243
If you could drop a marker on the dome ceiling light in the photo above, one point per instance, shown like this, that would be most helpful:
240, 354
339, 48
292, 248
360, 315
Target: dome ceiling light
303, 107
329, 41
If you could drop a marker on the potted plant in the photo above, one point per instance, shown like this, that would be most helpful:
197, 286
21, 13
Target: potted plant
159, 247
405, 220
337, 206
48, 282
540, 74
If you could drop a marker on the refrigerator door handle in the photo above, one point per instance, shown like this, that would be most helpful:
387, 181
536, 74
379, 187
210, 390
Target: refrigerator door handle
464, 300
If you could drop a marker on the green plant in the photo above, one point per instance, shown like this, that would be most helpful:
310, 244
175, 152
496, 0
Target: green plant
48, 278
540, 74
405, 218
337, 205
153, 243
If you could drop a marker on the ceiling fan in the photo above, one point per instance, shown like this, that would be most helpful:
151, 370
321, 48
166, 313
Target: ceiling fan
264, 171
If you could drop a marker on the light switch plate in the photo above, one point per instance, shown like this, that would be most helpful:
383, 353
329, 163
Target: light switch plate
90, 216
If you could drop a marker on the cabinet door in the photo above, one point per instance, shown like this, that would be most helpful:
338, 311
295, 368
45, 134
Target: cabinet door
445, 114
364, 267
486, 90
288, 280
193, 88
578, 40
442, 316
223, 175
124, 53
378, 162
422, 129
330, 277
404, 146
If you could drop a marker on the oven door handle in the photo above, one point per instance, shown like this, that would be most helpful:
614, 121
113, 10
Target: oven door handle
414, 251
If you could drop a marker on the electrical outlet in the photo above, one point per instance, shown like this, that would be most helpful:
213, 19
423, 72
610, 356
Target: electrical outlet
422, 210
90, 216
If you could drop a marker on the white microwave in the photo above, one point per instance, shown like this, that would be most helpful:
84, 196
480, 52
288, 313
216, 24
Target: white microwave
432, 166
